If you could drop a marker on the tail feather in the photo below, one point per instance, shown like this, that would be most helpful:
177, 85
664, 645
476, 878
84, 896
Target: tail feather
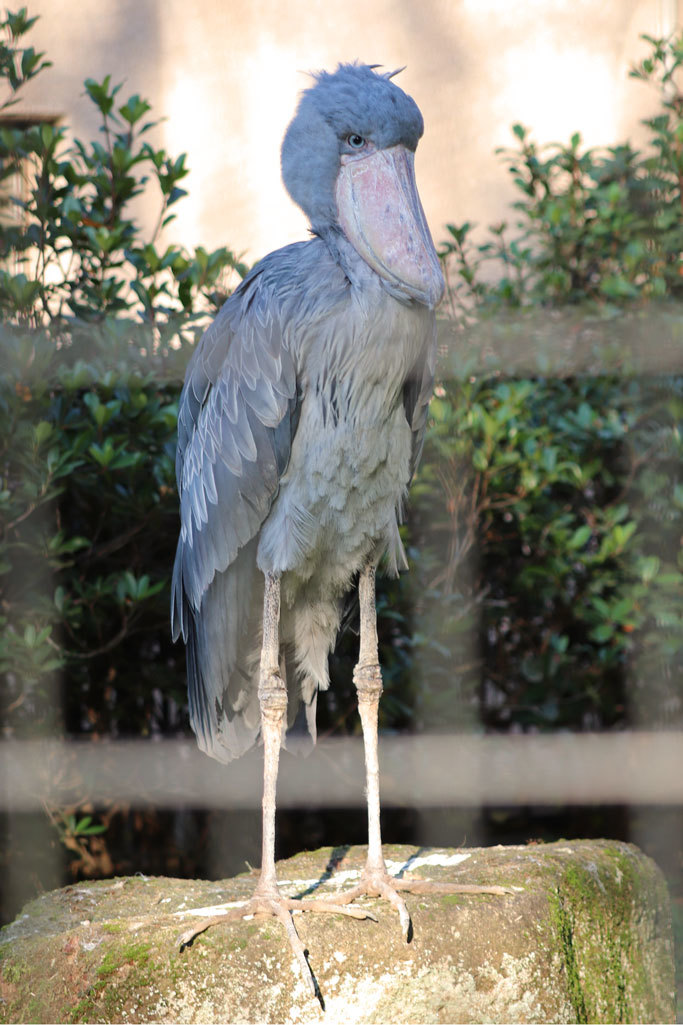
223, 646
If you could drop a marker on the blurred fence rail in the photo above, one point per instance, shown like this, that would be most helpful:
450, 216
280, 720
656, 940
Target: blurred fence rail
417, 771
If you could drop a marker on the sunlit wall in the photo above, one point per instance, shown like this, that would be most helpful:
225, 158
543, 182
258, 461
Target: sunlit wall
225, 77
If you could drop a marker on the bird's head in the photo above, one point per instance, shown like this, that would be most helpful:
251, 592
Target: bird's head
347, 161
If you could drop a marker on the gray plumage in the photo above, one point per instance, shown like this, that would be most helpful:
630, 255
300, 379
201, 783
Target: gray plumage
299, 428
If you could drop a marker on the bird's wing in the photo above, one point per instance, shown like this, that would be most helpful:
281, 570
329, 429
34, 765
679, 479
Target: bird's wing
236, 420
417, 393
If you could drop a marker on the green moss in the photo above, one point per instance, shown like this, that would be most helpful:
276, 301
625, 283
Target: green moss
562, 918
112, 927
677, 916
84, 1009
592, 913
13, 972
35, 1009
137, 953
110, 964
451, 898
236, 944
111, 992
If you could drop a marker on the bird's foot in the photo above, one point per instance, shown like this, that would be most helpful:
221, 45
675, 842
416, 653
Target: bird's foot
274, 905
376, 882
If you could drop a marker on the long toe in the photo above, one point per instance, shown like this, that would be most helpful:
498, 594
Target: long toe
330, 907
378, 883
186, 938
375, 883
283, 914
282, 908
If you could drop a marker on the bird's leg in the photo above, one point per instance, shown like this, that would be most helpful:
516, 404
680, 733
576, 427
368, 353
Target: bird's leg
367, 676
272, 695
267, 899
375, 880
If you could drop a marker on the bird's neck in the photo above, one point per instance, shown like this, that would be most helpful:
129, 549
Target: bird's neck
343, 253
362, 277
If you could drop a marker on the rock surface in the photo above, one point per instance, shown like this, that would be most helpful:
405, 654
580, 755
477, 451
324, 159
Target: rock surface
585, 936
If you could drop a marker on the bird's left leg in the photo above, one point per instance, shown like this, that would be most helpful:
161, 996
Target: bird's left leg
375, 880
267, 899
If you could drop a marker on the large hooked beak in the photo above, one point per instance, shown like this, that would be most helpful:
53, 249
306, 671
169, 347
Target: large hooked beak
381, 215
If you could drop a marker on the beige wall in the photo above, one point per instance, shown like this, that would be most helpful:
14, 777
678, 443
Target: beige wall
226, 76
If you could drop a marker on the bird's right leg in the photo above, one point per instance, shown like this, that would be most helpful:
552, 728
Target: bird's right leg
375, 880
272, 695
267, 899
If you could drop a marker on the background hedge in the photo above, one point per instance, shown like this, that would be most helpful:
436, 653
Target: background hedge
546, 519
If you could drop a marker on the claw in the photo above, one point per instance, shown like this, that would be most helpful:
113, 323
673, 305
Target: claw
388, 891
406, 923
185, 939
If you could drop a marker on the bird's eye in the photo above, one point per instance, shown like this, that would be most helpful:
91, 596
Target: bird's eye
355, 141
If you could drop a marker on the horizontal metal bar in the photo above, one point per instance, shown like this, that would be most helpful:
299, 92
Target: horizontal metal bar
416, 771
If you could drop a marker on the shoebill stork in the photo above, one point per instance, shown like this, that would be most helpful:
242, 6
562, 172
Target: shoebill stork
299, 428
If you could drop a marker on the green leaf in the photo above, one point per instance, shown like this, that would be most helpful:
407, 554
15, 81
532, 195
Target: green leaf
602, 633
102, 454
42, 431
580, 537
133, 109
101, 94
19, 23
479, 460
622, 533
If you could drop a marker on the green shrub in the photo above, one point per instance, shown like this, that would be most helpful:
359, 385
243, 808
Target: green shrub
546, 519
89, 515
97, 322
548, 510
74, 253
595, 224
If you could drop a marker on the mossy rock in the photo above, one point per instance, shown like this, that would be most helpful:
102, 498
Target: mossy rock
585, 935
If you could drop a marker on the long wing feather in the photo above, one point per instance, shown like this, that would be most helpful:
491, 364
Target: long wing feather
237, 417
